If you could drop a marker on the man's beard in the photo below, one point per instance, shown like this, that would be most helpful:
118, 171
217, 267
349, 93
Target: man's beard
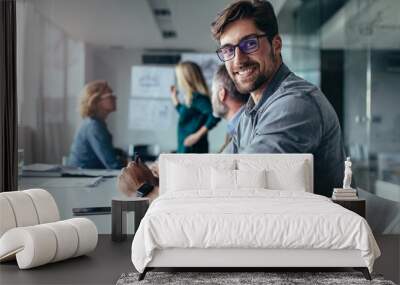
259, 81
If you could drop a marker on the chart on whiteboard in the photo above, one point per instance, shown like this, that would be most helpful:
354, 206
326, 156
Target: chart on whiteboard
152, 81
149, 114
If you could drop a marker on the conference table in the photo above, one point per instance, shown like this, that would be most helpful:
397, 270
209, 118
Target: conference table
81, 192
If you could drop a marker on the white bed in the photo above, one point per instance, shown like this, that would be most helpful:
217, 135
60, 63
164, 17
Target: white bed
247, 211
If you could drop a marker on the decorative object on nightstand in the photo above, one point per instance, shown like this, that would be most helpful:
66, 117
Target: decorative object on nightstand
355, 205
345, 193
347, 174
119, 209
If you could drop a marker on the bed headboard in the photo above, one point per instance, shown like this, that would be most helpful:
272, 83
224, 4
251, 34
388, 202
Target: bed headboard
283, 167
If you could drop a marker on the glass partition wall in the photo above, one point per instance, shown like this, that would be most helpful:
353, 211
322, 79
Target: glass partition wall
351, 49
371, 35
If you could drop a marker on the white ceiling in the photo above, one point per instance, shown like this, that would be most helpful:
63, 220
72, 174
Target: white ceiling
131, 24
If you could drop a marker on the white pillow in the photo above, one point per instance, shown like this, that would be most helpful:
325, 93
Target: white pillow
292, 179
189, 176
183, 177
236, 179
251, 178
281, 175
223, 179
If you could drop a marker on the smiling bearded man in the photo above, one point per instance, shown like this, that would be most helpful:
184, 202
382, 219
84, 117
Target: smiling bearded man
285, 113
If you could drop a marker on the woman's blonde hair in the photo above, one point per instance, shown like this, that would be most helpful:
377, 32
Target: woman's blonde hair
90, 96
191, 79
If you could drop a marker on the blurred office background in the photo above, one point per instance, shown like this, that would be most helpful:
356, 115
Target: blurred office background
349, 48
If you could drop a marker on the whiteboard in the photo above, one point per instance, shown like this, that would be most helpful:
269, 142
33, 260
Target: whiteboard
150, 105
152, 81
148, 114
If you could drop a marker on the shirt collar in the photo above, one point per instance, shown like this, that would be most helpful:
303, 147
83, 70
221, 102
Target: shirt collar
280, 75
232, 123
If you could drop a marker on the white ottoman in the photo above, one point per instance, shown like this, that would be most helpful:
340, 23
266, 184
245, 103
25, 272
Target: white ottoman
31, 232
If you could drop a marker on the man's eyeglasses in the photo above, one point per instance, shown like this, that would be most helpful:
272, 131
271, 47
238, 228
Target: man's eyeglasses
247, 46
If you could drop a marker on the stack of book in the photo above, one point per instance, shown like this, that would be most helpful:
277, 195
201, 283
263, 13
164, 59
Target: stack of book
344, 194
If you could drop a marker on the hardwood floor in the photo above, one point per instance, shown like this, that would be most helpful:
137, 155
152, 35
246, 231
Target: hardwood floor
102, 266
111, 259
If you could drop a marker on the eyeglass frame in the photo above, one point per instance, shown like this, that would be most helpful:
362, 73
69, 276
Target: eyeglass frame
238, 45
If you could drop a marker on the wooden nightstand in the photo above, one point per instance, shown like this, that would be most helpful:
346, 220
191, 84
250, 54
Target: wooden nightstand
357, 206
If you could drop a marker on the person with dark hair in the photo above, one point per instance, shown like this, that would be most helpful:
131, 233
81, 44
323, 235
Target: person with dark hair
285, 113
227, 102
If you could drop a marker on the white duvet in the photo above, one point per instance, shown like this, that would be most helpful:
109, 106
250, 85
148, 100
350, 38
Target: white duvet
252, 218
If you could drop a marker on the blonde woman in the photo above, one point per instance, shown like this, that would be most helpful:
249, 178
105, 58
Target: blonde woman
195, 114
92, 146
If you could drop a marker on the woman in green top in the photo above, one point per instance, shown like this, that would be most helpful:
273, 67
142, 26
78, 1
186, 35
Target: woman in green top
195, 114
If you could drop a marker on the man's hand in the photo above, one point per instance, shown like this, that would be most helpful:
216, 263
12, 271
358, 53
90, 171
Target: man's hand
154, 169
133, 176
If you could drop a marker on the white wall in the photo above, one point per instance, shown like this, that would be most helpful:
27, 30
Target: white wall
51, 72
114, 65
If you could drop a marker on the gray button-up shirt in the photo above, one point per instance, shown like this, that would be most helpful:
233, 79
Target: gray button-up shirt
294, 116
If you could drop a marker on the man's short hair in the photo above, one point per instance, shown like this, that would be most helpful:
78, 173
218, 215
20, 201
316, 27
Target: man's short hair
261, 12
222, 78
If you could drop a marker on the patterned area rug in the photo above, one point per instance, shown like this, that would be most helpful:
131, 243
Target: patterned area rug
230, 278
